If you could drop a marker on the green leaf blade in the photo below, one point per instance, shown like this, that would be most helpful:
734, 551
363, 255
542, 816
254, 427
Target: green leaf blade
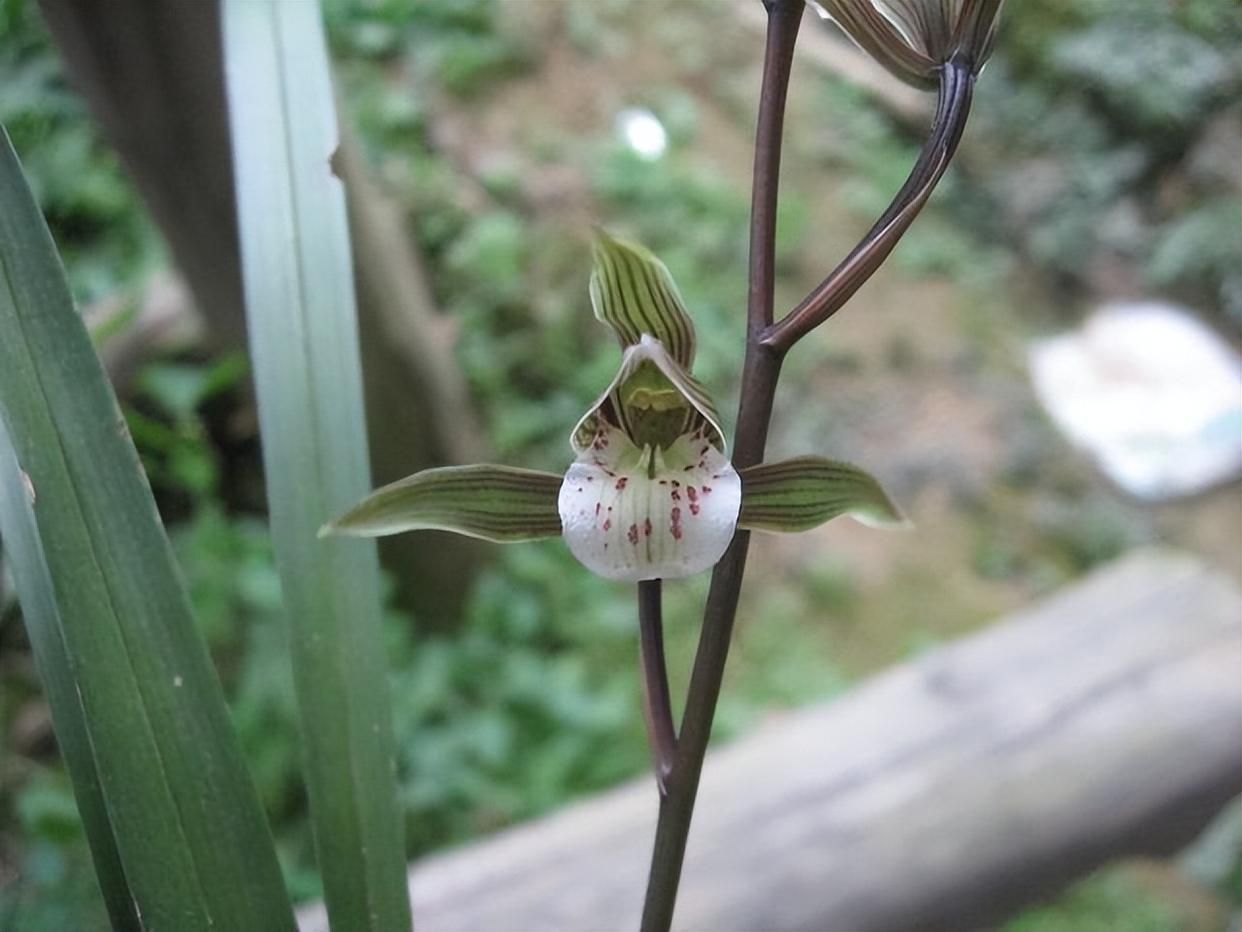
148, 732
802, 493
44, 627
500, 504
304, 347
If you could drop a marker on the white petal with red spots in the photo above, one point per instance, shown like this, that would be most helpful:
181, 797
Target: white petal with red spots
632, 514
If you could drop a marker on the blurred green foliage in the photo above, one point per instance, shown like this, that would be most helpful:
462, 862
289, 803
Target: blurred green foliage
1112, 900
1104, 129
104, 236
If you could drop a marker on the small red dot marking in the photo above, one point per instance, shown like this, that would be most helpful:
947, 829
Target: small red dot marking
632, 534
647, 528
675, 528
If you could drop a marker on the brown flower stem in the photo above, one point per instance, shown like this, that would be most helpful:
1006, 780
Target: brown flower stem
956, 87
657, 706
759, 375
766, 345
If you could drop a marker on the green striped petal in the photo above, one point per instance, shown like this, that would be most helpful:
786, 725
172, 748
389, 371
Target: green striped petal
884, 38
496, 503
621, 411
804, 492
633, 293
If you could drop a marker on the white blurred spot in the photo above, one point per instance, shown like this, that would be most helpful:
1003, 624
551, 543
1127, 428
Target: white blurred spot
643, 132
820, 11
177, 681
1151, 393
29, 487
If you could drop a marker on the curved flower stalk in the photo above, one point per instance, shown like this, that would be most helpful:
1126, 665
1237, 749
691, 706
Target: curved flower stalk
939, 44
651, 493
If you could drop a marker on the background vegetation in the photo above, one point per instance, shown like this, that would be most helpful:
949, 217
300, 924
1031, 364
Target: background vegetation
1091, 171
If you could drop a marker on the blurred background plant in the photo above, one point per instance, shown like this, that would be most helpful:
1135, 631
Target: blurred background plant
1088, 174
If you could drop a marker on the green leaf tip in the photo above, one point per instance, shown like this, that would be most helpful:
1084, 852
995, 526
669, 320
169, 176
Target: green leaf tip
633, 293
500, 504
802, 493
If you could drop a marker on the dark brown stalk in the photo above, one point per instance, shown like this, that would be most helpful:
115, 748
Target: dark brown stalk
956, 86
759, 375
766, 345
657, 706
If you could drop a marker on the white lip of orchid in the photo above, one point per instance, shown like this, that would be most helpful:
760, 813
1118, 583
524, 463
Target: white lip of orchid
630, 514
652, 512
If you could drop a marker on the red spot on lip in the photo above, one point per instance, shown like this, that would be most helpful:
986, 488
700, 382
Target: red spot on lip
675, 528
692, 492
676, 483
597, 509
621, 483
694, 509
647, 528
607, 525
676, 496
706, 489
632, 534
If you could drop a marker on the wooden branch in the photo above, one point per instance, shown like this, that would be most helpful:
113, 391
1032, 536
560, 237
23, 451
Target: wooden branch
943, 794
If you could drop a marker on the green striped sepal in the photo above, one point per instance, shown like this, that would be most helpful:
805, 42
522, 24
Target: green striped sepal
804, 492
633, 293
495, 503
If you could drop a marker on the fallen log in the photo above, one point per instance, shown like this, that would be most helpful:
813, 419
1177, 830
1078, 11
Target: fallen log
943, 794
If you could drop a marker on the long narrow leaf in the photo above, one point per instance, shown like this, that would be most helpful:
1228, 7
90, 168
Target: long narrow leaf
304, 347
105, 606
47, 642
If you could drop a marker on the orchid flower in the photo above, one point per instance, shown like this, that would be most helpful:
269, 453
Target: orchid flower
651, 493
913, 39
